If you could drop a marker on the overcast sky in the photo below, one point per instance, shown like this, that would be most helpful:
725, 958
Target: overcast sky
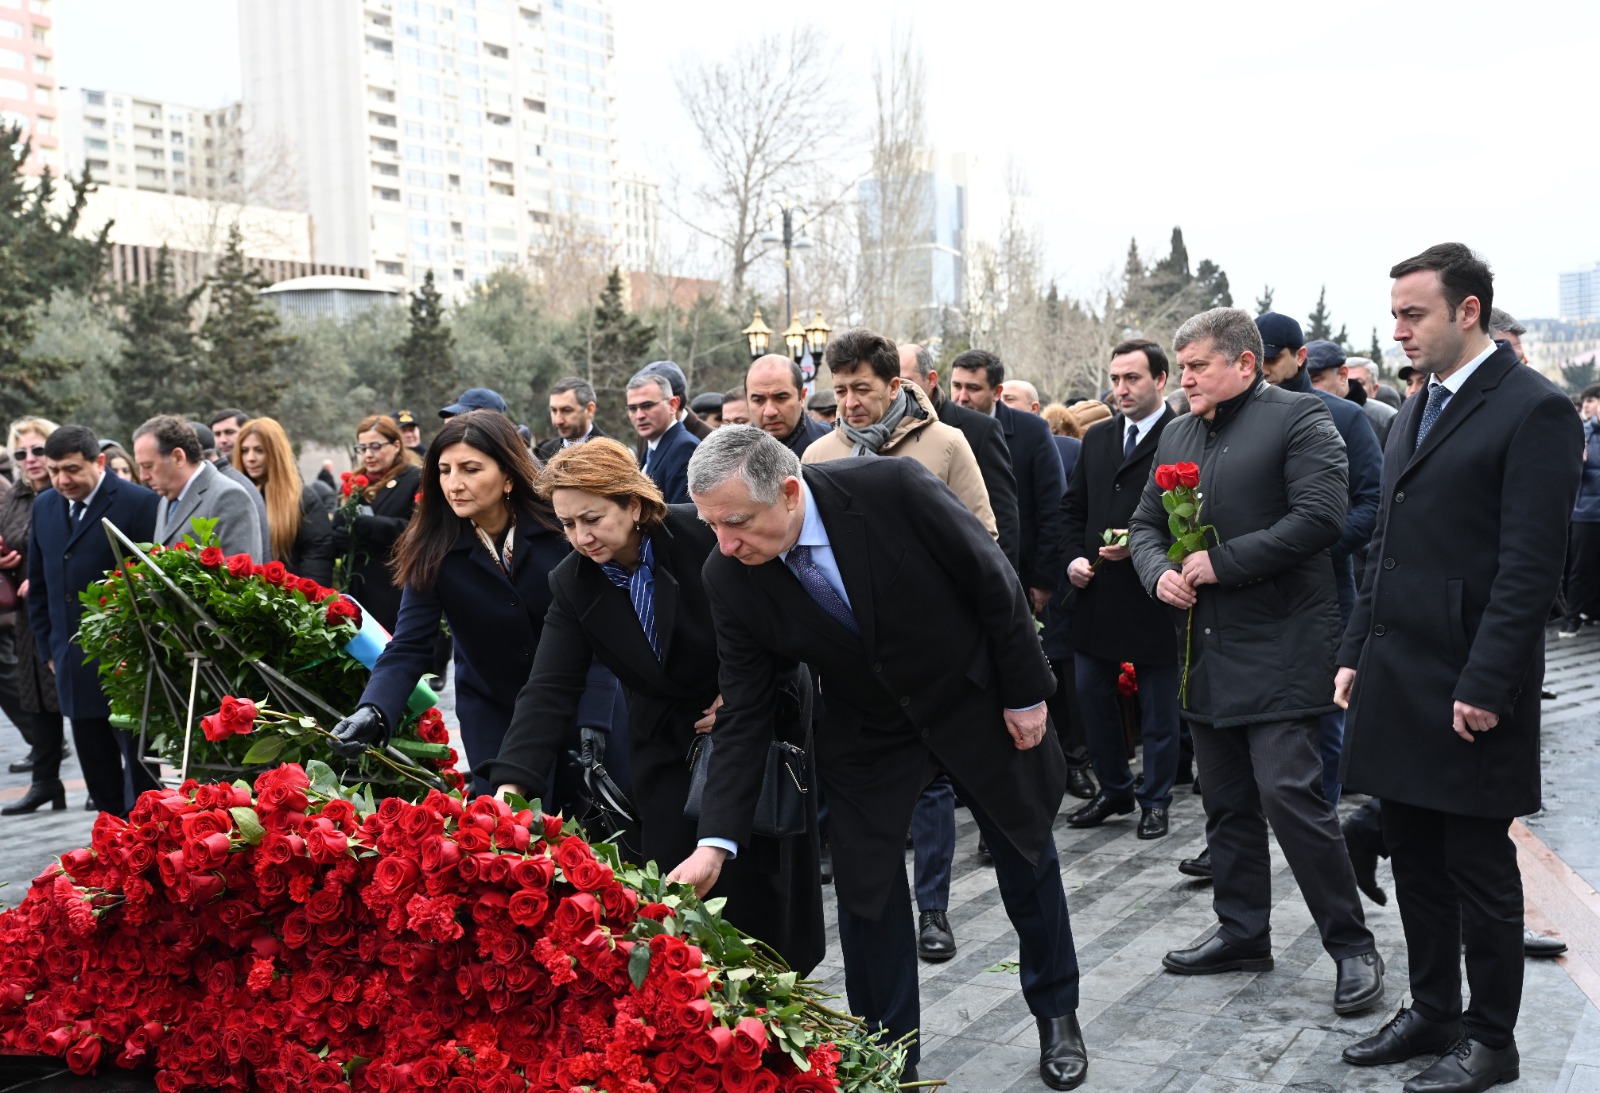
1296, 144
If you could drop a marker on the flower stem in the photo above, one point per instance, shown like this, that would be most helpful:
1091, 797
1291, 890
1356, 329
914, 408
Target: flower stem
1188, 648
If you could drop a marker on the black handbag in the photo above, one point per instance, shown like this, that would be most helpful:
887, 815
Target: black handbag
781, 807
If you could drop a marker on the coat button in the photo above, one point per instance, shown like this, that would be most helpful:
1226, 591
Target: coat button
1208, 629
924, 734
1388, 563
1399, 497
1118, 487
877, 666
1379, 630
905, 701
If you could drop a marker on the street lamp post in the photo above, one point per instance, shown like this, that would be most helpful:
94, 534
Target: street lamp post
759, 335
785, 211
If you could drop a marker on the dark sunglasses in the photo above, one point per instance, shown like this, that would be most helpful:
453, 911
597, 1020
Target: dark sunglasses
37, 451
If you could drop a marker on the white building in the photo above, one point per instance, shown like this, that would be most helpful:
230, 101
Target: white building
27, 80
1580, 295
639, 221
443, 136
141, 143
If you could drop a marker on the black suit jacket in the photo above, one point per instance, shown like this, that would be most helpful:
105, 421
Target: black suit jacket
1040, 484
549, 448
668, 465
947, 642
1463, 569
1114, 618
64, 558
988, 443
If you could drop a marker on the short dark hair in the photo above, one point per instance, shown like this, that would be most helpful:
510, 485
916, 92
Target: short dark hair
846, 351
172, 434
72, 440
238, 415
581, 389
734, 395
1591, 391
981, 360
1461, 273
1153, 353
797, 377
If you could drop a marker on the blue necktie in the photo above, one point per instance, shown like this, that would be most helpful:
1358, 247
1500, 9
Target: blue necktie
77, 511
1133, 442
1438, 395
817, 587
641, 588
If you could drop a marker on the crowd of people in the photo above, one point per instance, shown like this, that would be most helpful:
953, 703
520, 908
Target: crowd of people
996, 621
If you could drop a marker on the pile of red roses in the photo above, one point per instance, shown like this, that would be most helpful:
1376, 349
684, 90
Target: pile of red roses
292, 942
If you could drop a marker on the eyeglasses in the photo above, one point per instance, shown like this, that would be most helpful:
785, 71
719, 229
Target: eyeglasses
37, 451
374, 448
643, 407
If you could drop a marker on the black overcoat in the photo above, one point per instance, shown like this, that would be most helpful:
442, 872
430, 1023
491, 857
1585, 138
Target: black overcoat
1114, 618
988, 443
1464, 567
1040, 484
947, 642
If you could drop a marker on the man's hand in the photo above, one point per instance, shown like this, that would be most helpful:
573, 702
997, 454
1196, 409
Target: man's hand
1197, 569
1343, 682
701, 869
51, 664
1173, 589
22, 590
710, 716
1080, 573
1040, 598
1115, 552
1471, 719
502, 792
1026, 726
11, 559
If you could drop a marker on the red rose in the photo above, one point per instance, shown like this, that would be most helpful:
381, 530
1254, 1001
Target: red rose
274, 573
84, 1055
343, 610
1167, 476
1188, 474
212, 557
361, 481
215, 730
307, 587
239, 565
239, 714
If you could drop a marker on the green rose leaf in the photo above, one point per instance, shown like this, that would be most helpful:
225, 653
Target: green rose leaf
264, 750
248, 823
639, 964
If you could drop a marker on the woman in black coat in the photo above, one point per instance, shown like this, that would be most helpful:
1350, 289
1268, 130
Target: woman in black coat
663, 650
480, 554
388, 500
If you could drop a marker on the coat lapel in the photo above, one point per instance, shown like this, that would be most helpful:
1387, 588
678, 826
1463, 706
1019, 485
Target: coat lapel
1146, 445
847, 536
606, 609
177, 521
1462, 404
97, 508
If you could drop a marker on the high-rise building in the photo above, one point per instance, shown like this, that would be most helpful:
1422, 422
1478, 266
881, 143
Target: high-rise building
1580, 295
27, 80
442, 136
142, 143
922, 220
639, 221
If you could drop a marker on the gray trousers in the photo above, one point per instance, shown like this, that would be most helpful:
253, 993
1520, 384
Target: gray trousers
1253, 775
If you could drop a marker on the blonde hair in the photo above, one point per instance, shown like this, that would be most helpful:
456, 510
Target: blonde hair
43, 426
282, 486
1060, 420
1087, 412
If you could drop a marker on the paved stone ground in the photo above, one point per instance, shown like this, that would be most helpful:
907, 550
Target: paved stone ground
1148, 1030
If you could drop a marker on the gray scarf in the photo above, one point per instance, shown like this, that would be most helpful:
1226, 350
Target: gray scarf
868, 441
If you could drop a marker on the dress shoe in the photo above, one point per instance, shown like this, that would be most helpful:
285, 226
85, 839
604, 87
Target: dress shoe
1079, 784
89, 805
38, 794
1363, 841
1152, 823
1063, 1062
984, 856
1197, 867
1468, 1067
22, 767
1215, 955
1194, 787
1096, 811
1407, 1035
936, 943
1360, 985
825, 865
1541, 944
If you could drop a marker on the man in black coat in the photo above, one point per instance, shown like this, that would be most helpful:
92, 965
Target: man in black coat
1442, 662
665, 443
1114, 620
846, 565
68, 551
775, 401
1259, 613
571, 416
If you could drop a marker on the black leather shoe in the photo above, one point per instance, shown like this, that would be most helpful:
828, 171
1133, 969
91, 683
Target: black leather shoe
1541, 944
1468, 1067
1096, 811
22, 767
89, 805
984, 856
1360, 985
1079, 784
825, 865
1063, 1061
1152, 823
936, 943
38, 794
1363, 841
1407, 1035
1197, 867
1194, 787
1215, 955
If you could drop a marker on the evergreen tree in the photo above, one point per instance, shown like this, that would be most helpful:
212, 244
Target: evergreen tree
1320, 326
1375, 350
1342, 339
427, 358
1264, 301
243, 337
1212, 284
159, 370
616, 340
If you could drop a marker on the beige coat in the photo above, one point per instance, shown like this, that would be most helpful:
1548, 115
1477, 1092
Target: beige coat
937, 446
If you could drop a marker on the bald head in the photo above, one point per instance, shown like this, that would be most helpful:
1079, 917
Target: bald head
916, 366
1020, 395
772, 391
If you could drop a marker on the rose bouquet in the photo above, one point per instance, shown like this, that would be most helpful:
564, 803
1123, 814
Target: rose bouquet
297, 938
352, 503
1182, 500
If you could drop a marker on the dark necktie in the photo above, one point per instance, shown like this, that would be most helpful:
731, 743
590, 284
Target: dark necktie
641, 589
77, 511
817, 587
1133, 442
1438, 395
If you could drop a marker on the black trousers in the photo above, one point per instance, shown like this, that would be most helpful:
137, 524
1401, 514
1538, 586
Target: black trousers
111, 767
1265, 773
880, 955
1456, 879
1583, 571
1066, 714
1158, 728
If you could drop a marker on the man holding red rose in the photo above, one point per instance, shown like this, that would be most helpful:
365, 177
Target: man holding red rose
1258, 611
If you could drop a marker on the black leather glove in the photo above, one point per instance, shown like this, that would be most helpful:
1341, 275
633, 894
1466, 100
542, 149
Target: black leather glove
591, 746
365, 728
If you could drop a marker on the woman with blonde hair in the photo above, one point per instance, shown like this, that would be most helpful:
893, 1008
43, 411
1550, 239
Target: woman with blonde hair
384, 506
302, 537
630, 596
